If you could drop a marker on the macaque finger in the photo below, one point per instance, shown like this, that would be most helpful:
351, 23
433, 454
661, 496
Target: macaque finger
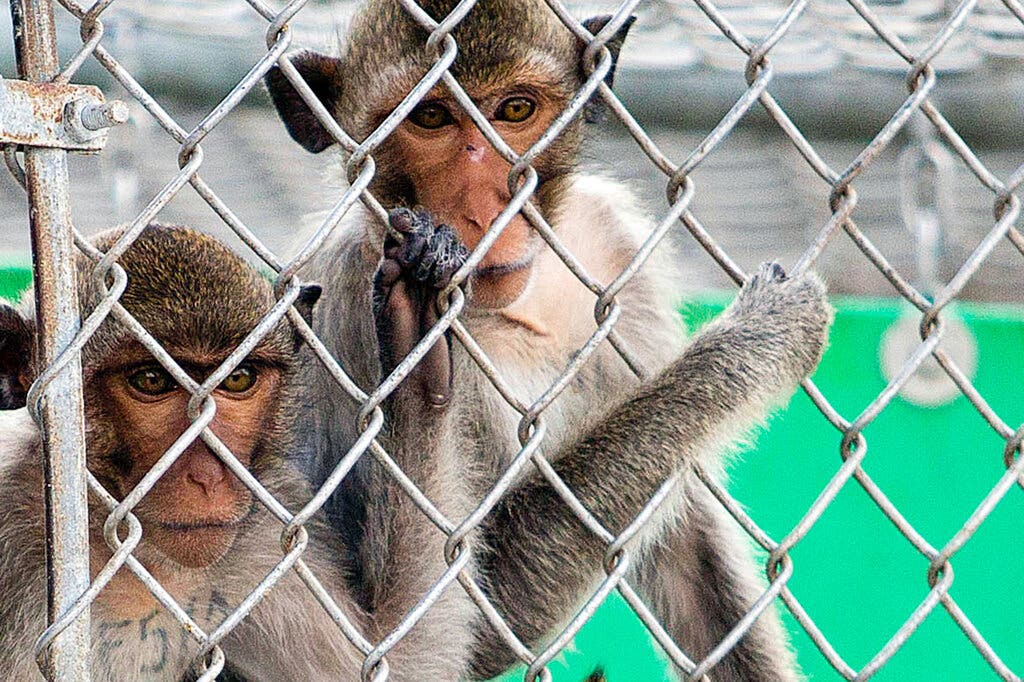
434, 372
398, 326
402, 220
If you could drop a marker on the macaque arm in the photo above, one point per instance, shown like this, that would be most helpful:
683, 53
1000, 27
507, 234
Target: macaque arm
290, 620
403, 552
540, 560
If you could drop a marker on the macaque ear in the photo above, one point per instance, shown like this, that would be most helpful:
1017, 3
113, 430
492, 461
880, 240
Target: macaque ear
308, 296
16, 335
594, 110
323, 75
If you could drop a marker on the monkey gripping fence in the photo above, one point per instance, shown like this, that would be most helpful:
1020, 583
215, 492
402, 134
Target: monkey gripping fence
63, 648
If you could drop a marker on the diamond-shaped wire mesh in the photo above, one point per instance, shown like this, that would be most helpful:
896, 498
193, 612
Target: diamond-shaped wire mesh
757, 56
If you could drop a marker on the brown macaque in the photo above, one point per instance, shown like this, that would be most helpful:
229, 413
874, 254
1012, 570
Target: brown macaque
612, 438
205, 537
438, 158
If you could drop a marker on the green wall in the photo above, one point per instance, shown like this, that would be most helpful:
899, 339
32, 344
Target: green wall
855, 574
13, 280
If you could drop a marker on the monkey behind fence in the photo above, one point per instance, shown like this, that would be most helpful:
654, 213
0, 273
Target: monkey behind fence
205, 537
613, 441
530, 315
208, 541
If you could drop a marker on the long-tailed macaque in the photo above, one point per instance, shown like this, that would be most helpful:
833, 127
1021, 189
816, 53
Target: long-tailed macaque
209, 542
205, 537
613, 440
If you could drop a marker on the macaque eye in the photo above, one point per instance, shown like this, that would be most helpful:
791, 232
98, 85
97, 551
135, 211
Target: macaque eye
151, 381
431, 115
516, 109
241, 380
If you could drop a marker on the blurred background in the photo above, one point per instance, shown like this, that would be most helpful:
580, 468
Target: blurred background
679, 75
931, 451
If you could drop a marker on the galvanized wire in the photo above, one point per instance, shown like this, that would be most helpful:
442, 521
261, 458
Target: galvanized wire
680, 189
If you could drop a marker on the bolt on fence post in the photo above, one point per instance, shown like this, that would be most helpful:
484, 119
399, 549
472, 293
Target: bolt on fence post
57, 320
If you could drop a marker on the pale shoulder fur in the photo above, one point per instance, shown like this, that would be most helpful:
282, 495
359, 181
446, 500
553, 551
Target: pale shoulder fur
600, 223
17, 434
533, 341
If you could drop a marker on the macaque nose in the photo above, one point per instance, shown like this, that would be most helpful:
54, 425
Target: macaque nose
475, 152
481, 215
478, 224
206, 471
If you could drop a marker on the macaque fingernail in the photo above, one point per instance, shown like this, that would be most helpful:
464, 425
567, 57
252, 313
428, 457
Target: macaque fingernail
401, 219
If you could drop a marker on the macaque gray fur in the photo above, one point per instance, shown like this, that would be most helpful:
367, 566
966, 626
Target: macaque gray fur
536, 559
611, 437
199, 300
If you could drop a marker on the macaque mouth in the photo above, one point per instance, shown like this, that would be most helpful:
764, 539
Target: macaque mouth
518, 265
198, 525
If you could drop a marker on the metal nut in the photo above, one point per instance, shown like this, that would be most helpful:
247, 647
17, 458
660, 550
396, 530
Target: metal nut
85, 119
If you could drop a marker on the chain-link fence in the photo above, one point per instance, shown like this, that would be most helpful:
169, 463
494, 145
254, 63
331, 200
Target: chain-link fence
57, 392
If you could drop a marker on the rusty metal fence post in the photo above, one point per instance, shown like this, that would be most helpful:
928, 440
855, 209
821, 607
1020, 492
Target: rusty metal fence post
59, 409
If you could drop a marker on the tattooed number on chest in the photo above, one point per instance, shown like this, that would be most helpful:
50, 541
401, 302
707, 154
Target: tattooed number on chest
148, 640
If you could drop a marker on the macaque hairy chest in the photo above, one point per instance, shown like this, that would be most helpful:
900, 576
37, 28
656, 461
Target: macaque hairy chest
139, 644
531, 345
135, 637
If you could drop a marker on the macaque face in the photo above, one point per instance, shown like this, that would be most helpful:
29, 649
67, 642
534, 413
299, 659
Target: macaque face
462, 180
195, 509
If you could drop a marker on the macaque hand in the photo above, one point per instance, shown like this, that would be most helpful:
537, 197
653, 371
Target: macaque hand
790, 318
405, 291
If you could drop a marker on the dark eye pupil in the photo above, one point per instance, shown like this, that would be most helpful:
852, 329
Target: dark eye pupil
518, 109
150, 381
240, 380
430, 116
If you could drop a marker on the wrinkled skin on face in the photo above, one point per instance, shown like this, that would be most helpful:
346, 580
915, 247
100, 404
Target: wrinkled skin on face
437, 159
196, 508
463, 180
